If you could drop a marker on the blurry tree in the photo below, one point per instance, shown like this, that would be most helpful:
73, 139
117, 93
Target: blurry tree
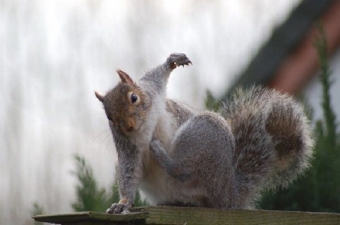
37, 210
211, 103
319, 188
91, 197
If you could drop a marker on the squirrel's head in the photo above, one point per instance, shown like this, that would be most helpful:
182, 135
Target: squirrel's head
126, 106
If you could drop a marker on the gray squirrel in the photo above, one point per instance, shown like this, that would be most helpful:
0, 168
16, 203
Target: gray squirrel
176, 155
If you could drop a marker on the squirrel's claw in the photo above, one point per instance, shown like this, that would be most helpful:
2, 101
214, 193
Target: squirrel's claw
178, 59
118, 208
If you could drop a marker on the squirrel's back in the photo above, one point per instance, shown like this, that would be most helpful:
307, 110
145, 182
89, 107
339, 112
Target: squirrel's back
272, 136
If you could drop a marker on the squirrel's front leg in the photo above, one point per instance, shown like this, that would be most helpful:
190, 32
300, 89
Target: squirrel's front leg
128, 161
177, 59
127, 184
173, 167
157, 78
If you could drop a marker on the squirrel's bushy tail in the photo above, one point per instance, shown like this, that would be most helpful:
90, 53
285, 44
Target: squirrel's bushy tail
273, 139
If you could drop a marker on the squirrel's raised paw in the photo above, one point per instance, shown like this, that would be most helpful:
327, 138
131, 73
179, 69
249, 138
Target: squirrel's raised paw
118, 208
177, 59
172, 167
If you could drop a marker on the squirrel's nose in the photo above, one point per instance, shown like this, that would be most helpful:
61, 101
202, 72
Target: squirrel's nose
129, 128
129, 125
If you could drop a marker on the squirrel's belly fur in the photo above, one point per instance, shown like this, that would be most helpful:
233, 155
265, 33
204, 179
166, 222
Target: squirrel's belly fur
156, 186
158, 189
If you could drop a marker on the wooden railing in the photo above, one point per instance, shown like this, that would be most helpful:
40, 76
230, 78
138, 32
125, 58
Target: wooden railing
186, 215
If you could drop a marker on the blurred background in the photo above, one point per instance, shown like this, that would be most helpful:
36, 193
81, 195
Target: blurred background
55, 53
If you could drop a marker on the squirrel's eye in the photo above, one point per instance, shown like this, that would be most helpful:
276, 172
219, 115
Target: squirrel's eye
134, 98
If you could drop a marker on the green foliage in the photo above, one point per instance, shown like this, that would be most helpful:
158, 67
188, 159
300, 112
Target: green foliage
91, 197
319, 189
211, 103
37, 210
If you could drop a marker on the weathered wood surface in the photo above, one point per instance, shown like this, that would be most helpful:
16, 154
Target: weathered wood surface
93, 218
186, 215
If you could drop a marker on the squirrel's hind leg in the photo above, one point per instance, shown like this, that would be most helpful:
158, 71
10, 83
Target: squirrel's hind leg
202, 151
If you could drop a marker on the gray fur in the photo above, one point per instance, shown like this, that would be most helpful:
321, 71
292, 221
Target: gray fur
180, 156
129, 158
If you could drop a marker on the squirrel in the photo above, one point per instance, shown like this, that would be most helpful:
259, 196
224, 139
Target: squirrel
176, 155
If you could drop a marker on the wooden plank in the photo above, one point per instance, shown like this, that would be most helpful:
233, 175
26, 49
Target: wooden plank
82, 217
186, 215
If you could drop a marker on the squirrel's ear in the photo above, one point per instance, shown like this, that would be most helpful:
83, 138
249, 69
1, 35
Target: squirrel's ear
99, 96
124, 77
